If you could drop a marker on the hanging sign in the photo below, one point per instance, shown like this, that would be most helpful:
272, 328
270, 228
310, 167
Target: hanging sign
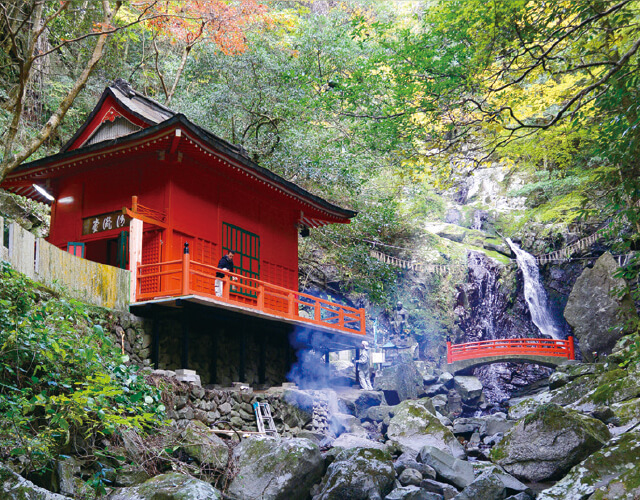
104, 222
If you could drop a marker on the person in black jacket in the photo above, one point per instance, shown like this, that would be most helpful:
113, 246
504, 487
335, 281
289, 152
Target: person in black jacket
226, 263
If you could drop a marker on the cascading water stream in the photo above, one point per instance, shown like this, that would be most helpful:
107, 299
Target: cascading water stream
535, 294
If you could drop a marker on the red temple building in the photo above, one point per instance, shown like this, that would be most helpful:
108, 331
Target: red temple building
142, 188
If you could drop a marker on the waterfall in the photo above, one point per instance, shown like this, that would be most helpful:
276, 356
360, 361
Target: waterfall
535, 294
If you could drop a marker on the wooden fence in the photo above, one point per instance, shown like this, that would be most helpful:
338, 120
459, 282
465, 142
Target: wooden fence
94, 283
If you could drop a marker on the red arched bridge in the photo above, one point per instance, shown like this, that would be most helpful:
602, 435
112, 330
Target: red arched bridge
463, 358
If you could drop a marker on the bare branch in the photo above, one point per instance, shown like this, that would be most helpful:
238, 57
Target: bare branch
10, 161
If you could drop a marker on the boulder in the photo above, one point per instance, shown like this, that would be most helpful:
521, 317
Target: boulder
399, 382
521, 407
624, 487
272, 468
595, 311
348, 441
410, 477
448, 468
429, 371
342, 422
628, 411
443, 489
558, 379
521, 496
412, 493
487, 425
446, 379
358, 474
469, 388
414, 426
380, 413
130, 475
170, 486
359, 402
15, 487
487, 487
434, 390
614, 386
408, 461
611, 469
546, 444
511, 485
203, 445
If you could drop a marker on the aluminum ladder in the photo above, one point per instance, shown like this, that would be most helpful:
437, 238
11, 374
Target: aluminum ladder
263, 414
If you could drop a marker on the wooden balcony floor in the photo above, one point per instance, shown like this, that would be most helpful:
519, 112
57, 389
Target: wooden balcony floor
308, 336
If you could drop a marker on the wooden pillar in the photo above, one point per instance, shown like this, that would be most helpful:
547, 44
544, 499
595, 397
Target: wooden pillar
213, 367
449, 358
135, 255
242, 355
326, 357
357, 370
287, 353
155, 347
262, 366
185, 339
186, 271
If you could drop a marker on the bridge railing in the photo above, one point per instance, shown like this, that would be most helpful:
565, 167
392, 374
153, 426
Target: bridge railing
506, 347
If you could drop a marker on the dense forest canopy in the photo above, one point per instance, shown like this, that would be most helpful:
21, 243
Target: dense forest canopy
376, 105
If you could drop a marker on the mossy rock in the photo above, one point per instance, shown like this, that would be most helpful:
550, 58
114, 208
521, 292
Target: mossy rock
15, 487
415, 425
547, 443
522, 407
574, 389
202, 444
613, 387
272, 468
170, 486
579, 369
625, 487
627, 411
358, 474
610, 473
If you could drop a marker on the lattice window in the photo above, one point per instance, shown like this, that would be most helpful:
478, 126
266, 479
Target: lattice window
150, 255
204, 252
246, 249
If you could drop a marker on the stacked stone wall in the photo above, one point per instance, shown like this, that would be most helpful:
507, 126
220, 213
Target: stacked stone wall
226, 408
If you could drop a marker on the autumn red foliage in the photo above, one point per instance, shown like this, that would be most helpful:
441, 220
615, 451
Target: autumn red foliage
192, 21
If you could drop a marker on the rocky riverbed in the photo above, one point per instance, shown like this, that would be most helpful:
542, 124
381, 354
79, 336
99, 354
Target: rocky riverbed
576, 438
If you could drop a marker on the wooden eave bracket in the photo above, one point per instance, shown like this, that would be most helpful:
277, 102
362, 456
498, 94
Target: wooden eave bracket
143, 218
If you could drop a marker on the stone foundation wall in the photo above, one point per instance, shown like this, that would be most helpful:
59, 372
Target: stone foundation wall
131, 333
230, 408
209, 349
217, 348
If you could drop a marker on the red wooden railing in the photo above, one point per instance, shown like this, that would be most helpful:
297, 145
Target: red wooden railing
186, 277
506, 347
